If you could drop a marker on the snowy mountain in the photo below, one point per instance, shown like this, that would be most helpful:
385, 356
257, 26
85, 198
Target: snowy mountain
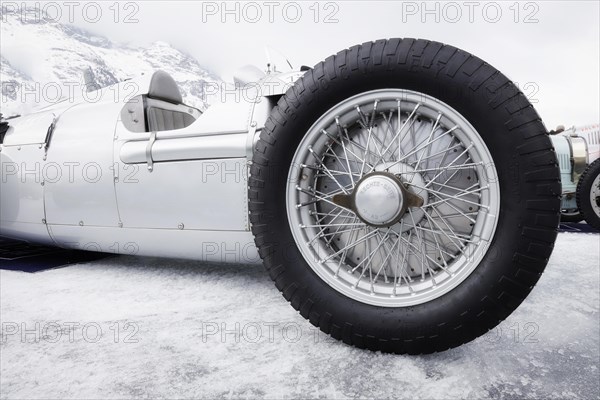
41, 59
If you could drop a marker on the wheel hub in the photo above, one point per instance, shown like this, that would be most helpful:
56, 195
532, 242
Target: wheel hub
415, 184
379, 199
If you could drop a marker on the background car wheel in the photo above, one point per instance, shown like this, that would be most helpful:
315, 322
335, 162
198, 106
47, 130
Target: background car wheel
404, 196
588, 194
571, 216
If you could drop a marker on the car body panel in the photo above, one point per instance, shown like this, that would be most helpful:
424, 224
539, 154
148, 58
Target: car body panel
81, 149
199, 194
105, 183
203, 245
22, 193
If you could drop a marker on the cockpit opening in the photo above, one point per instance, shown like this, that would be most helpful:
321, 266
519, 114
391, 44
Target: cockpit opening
161, 109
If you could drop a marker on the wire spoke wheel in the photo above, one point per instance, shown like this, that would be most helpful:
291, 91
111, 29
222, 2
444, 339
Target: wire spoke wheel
379, 149
595, 195
404, 196
588, 194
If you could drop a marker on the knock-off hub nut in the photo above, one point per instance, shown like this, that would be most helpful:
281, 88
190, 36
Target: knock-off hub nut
379, 199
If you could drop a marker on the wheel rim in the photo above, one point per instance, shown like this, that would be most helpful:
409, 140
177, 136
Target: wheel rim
446, 172
595, 195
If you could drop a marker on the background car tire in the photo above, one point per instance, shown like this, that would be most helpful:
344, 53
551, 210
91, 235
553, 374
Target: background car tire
587, 180
572, 217
528, 179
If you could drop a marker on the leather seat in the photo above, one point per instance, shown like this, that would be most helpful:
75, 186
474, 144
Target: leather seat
161, 119
162, 103
161, 109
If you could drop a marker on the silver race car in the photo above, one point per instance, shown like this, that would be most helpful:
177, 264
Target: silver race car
403, 194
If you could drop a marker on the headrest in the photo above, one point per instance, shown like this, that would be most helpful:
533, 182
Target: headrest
164, 87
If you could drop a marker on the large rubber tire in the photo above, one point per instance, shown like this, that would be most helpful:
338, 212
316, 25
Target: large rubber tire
528, 178
584, 187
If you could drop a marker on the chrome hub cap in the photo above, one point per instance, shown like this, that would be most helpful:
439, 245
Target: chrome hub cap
392, 198
415, 184
379, 200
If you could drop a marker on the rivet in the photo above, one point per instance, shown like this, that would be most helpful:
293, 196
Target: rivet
80, 223
43, 221
180, 226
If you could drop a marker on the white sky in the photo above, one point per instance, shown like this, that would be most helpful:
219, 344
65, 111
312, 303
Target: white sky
554, 56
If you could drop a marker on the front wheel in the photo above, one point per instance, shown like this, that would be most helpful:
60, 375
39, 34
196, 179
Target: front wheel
404, 196
588, 194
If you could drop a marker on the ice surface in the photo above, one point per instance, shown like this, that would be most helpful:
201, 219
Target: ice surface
549, 348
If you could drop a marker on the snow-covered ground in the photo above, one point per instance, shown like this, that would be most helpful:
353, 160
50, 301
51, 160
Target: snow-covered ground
168, 329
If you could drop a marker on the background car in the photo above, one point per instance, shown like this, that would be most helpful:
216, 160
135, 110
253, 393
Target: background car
578, 151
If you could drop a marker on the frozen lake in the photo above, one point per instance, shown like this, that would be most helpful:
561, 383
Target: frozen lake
125, 327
